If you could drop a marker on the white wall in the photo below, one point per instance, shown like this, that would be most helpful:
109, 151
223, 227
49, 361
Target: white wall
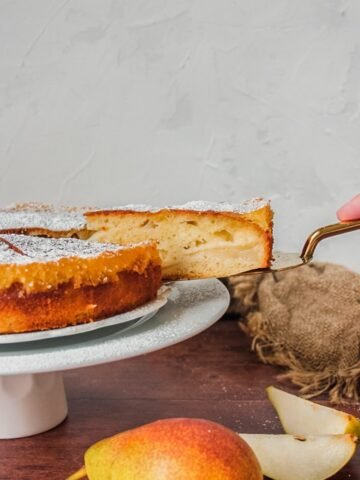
106, 102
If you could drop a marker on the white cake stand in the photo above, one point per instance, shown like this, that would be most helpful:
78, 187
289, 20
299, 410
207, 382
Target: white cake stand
32, 395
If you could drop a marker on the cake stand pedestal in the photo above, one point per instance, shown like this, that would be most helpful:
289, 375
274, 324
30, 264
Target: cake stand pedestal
32, 394
31, 403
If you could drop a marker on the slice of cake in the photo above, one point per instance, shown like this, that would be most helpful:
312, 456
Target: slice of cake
195, 240
50, 283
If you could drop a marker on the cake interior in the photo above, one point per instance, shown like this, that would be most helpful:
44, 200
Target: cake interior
191, 245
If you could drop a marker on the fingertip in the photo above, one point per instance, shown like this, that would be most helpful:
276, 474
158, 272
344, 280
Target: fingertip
350, 211
339, 214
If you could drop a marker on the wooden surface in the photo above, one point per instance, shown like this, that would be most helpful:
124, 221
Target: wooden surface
213, 376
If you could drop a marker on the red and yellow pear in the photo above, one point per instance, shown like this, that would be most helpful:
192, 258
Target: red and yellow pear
172, 449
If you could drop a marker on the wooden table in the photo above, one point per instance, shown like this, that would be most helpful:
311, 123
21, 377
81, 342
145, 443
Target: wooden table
213, 375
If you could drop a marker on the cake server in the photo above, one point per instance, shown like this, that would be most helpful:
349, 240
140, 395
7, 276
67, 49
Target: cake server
285, 260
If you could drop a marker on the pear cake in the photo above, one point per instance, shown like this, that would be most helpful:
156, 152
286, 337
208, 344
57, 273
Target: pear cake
195, 240
56, 282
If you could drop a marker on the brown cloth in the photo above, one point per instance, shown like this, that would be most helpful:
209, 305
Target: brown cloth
308, 320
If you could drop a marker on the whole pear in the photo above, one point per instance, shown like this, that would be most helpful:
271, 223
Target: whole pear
172, 449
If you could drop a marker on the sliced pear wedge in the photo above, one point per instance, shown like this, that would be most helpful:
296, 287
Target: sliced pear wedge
287, 457
302, 417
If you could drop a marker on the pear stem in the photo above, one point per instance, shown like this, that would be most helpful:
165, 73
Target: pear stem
77, 475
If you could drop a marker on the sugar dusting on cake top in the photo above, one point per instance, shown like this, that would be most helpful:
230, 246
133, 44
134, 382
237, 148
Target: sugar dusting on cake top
20, 217
246, 206
25, 249
45, 217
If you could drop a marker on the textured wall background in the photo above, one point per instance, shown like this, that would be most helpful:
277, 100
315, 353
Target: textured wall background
113, 101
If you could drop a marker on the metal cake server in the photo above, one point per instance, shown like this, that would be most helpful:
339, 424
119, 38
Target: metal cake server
285, 261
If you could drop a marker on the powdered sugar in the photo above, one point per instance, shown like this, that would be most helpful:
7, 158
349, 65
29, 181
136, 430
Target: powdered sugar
59, 220
246, 206
66, 219
27, 249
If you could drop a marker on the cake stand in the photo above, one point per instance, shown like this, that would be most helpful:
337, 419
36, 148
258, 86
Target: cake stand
32, 394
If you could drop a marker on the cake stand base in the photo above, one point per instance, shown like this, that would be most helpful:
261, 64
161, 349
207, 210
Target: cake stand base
31, 404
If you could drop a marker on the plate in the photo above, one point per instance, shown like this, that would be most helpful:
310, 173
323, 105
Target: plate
192, 306
144, 311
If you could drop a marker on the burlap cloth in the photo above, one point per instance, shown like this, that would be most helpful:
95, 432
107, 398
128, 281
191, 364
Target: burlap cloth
307, 320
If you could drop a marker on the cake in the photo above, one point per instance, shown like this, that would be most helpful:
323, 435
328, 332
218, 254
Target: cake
56, 282
195, 240
42, 219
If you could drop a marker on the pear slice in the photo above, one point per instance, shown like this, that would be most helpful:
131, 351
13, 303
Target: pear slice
286, 457
302, 417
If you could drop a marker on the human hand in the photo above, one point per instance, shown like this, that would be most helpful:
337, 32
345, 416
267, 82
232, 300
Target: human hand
350, 211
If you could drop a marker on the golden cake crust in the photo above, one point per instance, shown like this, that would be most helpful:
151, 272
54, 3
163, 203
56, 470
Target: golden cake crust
51, 283
257, 211
65, 305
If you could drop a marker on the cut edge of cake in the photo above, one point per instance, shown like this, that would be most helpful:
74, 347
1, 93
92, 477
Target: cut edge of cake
195, 240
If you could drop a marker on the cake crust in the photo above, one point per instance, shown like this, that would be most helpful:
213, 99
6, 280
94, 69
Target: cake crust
51, 283
65, 305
